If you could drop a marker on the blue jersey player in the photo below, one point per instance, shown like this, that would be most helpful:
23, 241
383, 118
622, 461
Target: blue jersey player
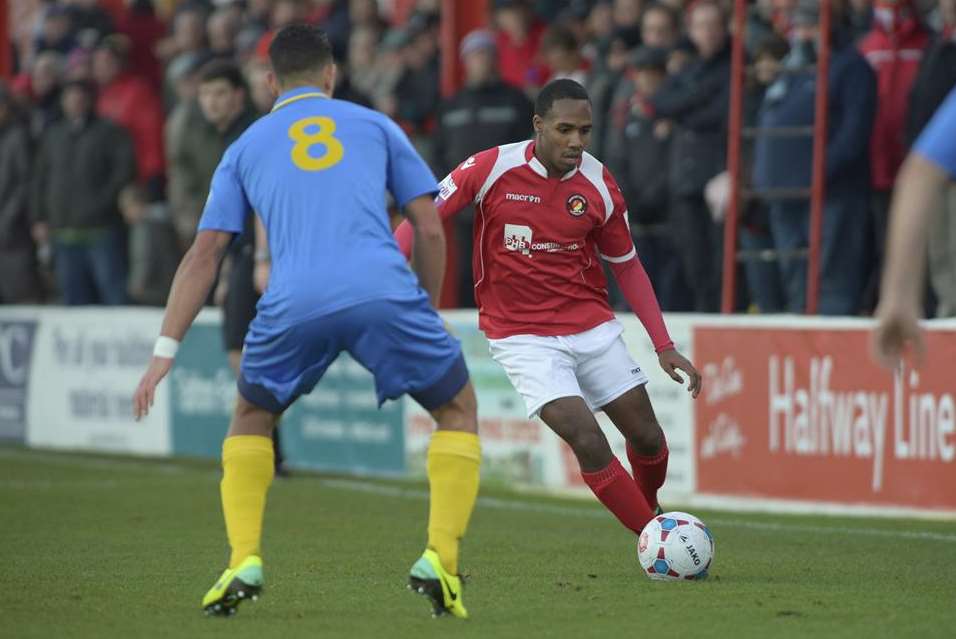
919, 189
316, 171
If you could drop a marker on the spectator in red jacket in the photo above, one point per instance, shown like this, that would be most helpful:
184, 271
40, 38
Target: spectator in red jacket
132, 103
145, 30
518, 42
893, 47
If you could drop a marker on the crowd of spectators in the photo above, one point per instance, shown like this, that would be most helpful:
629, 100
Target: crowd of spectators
119, 112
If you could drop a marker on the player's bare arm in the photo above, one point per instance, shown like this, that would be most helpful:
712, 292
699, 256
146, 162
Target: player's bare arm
918, 191
428, 254
194, 280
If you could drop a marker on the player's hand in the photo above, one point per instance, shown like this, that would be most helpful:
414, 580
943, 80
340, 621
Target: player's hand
672, 361
146, 391
897, 330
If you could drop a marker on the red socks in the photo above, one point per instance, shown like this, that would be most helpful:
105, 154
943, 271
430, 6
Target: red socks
649, 472
619, 493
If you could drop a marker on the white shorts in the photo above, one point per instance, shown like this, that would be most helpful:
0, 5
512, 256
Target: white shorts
594, 365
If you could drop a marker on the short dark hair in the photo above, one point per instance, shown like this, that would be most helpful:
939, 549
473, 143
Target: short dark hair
222, 69
773, 46
298, 49
563, 89
559, 37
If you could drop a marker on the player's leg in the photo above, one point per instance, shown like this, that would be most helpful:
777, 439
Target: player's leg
238, 311
572, 420
453, 464
542, 370
408, 349
247, 472
613, 382
633, 415
278, 365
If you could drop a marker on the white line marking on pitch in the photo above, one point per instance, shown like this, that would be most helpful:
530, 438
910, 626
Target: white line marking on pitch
65, 459
553, 509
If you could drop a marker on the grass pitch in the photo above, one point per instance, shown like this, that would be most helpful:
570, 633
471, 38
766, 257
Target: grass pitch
116, 547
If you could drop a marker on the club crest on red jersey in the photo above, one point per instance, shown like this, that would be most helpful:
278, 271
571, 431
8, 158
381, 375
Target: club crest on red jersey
577, 205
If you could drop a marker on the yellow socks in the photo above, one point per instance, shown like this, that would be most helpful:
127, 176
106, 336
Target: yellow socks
247, 470
453, 461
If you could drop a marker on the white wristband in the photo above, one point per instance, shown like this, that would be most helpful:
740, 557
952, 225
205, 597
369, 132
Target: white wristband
165, 347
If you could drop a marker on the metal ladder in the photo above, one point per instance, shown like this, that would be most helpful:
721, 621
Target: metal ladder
740, 194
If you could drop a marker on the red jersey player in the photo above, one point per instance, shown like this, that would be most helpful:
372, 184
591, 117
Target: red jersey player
546, 214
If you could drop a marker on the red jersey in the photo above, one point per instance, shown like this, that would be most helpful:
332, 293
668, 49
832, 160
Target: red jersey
539, 240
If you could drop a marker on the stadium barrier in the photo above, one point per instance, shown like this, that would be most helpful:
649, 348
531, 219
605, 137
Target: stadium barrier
794, 415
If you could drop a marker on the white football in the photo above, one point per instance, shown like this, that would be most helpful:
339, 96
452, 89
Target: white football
675, 546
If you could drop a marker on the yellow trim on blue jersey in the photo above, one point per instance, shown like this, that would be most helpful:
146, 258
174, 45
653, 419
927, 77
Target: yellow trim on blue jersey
301, 96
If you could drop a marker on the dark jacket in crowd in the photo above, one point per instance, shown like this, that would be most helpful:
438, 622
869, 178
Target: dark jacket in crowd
697, 100
417, 95
194, 148
79, 173
15, 171
478, 118
787, 162
644, 171
934, 80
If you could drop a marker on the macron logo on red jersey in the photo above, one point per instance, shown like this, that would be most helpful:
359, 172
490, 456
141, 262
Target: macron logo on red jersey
523, 197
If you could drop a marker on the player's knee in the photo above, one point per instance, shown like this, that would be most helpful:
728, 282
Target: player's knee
461, 413
647, 438
590, 447
249, 419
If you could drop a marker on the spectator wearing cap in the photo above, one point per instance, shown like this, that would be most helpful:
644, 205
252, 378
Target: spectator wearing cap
645, 154
695, 103
419, 88
787, 162
894, 48
20, 283
935, 79
518, 38
486, 112
83, 163
131, 102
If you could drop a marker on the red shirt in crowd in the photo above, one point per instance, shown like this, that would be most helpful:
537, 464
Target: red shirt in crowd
518, 63
894, 48
131, 102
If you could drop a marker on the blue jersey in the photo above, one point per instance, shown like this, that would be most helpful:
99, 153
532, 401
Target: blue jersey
316, 171
937, 142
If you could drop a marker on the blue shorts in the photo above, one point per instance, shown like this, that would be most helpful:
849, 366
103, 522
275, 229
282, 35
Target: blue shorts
402, 342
